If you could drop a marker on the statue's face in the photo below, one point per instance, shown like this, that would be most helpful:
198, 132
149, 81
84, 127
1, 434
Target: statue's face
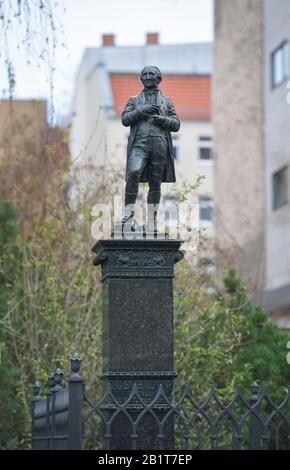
149, 77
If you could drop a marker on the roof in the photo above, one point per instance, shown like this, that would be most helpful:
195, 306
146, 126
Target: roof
186, 70
195, 58
190, 94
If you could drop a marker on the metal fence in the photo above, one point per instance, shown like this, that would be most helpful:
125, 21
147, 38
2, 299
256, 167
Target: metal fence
68, 419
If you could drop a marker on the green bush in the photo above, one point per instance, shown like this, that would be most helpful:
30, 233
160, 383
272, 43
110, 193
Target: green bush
225, 340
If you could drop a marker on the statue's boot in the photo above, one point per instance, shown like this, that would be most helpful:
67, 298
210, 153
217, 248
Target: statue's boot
128, 218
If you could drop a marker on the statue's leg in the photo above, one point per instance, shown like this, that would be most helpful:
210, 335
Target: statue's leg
137, 162
157, 165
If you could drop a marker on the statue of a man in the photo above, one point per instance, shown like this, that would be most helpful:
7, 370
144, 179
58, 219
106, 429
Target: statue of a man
151, 117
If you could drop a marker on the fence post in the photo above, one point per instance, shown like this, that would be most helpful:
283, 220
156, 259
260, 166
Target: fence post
35, 399
255, 425
75, 398
49, 434
57, 376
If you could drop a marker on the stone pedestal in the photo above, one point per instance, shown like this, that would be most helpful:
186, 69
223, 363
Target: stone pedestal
137, 329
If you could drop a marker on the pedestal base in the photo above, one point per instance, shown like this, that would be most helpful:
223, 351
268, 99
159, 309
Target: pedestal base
137, 330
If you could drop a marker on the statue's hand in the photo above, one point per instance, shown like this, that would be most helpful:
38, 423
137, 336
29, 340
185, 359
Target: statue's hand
149, 109
160, 121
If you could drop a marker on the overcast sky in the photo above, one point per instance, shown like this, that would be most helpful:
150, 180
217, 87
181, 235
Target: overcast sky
84, 21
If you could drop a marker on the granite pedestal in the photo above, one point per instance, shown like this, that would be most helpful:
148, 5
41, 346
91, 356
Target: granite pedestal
137, 331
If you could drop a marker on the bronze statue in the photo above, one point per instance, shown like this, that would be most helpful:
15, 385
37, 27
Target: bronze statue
151, 117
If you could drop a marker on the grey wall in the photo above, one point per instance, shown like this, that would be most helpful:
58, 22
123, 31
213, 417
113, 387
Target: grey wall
238, 124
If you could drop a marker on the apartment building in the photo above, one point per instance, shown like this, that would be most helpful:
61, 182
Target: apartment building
251, 119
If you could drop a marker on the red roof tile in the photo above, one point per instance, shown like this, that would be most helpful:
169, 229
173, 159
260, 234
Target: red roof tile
190, 94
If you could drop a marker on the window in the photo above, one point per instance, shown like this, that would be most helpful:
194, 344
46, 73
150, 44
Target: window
206, 210
176, 147
280, 188
205, 149
280, 64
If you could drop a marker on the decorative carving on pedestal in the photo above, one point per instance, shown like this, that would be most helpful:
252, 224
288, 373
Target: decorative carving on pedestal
150, 258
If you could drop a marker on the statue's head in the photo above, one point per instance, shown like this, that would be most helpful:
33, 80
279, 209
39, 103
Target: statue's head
150, 76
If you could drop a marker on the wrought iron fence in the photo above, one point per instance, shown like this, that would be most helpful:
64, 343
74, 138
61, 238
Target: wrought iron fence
68, 419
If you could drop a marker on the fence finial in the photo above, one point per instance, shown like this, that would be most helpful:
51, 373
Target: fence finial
75, 363
50, 380
254, 388
58, 374
36, 390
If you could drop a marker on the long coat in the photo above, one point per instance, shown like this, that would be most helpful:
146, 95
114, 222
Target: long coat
131, 117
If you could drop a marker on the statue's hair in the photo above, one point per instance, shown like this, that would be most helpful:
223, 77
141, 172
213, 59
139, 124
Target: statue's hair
159, 75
